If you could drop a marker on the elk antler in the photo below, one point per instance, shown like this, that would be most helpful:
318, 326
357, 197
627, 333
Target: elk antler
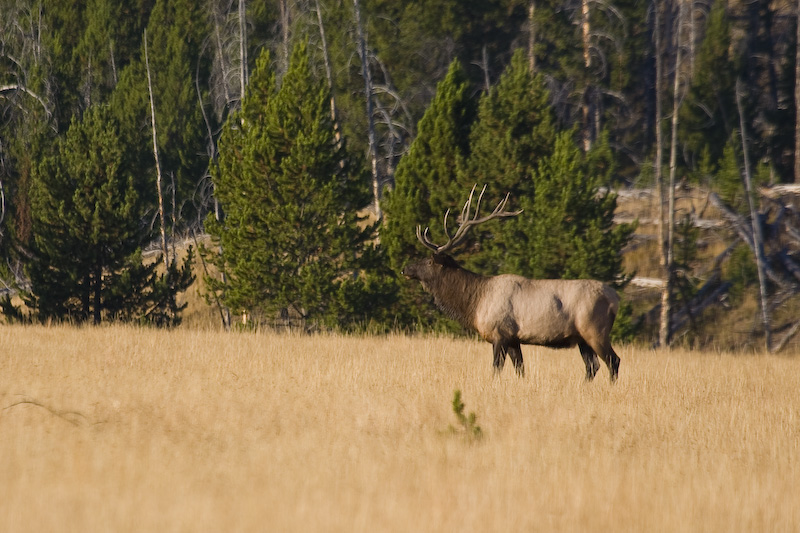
465, 222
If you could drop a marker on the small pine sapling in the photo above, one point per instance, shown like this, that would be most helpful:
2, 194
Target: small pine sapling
471, 429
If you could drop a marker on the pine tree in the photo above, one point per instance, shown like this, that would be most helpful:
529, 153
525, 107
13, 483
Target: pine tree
291, 239
97, 55
514, 132
427, 183
567, 229
173, 33
89, 230
728, 179
708, 116
427, 180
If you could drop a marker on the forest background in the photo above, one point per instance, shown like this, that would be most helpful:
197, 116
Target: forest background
301, 142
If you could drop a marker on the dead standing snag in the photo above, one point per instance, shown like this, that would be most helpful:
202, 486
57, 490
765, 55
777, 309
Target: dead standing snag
510, 310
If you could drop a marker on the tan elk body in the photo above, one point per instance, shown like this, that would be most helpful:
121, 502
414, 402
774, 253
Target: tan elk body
510, 310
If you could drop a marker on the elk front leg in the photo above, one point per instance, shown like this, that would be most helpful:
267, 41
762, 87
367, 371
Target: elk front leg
590, 359
499, 350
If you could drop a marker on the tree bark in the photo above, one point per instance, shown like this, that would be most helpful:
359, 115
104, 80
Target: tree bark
797, 100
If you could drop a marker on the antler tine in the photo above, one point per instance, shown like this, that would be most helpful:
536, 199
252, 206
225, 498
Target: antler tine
425, 240
468, 205
444, 223
466, 221
499, 210
480, 199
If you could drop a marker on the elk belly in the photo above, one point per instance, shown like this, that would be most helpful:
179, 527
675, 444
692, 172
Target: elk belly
543, 320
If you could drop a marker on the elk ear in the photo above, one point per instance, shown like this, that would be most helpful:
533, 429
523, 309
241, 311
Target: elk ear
445, 260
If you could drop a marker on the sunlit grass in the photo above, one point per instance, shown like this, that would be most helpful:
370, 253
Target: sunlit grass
126, 429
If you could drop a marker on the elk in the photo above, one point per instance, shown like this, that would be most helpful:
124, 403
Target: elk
510, 310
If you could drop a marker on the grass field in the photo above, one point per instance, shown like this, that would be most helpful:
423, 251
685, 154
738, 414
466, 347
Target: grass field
124, 429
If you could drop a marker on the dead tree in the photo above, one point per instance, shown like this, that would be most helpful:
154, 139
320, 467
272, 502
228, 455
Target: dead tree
328, 70
758, 237
368, 89
159, 184
663, 331
778, 223
532, 36
667, 220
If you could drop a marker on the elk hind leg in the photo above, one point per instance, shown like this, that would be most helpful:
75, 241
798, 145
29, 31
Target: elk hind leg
515, 353
613, 363
589, 359
609, 357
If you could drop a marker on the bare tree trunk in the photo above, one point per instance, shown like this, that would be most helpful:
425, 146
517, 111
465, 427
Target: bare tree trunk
221, 56
692, 36
97, 315
532, 36
113, 62
797, 101
758, 237
663, 331
325, 56
174, 221
587, 63
284, 35
159, 184
2, 205
211, 149
669, 266
242, 46
485, 69
328, 74
373, 145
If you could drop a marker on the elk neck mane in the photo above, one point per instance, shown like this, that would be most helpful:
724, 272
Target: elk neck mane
457, 293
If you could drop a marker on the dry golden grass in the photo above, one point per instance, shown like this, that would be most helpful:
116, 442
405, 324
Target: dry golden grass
124, 429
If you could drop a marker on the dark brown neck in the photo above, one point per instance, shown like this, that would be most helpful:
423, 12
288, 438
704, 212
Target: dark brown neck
457, 293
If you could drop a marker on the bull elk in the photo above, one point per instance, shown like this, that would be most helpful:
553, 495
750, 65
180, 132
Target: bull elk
510, 310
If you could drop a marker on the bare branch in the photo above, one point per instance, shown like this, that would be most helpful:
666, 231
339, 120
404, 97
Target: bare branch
16, 87
73, 417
